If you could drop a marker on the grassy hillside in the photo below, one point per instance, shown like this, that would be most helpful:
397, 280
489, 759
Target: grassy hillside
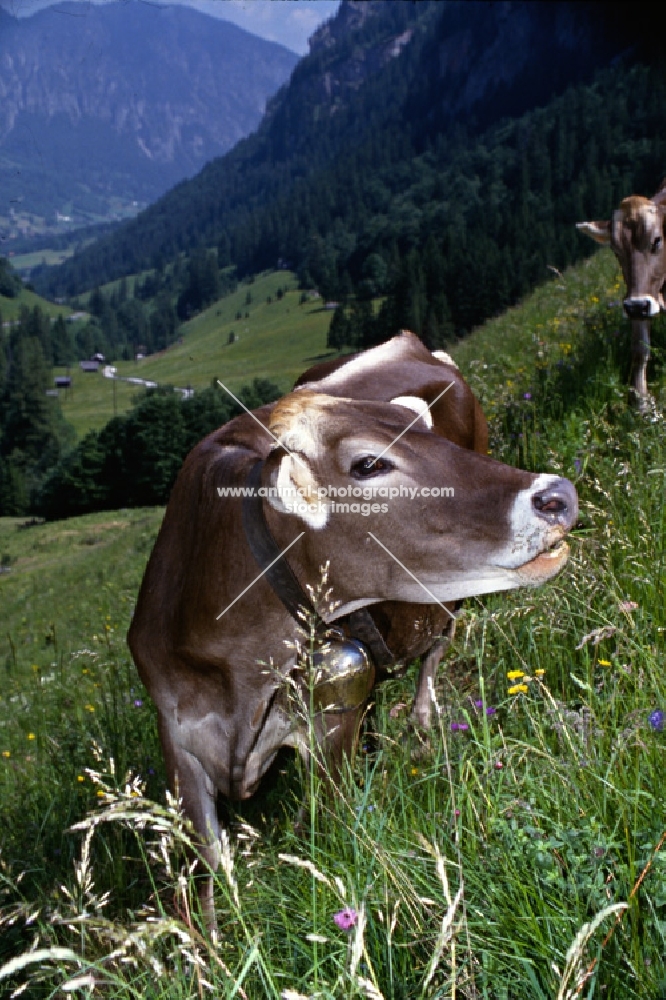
465, 862
10, 308
276, 340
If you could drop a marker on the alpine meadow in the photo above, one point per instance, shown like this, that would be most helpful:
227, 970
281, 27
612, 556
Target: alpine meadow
423, 168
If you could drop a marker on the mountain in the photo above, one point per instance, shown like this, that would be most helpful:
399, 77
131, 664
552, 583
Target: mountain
434, 153
103, 108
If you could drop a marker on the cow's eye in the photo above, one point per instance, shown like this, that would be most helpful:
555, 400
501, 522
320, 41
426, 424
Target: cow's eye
656, 244
370, 466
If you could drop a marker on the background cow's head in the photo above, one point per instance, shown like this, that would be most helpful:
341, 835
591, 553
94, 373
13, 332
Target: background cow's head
636, 234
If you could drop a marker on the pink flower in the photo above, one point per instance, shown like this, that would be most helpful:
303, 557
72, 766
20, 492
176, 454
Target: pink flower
627, 606
345, 919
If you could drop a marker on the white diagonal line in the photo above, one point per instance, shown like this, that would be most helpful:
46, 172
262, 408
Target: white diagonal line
415, 578
417, 417
264, 427
250, 585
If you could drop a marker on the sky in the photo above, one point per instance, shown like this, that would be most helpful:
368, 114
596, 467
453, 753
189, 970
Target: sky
289, 22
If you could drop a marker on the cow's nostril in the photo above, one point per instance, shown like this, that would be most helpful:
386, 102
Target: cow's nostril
554, 504
557, 503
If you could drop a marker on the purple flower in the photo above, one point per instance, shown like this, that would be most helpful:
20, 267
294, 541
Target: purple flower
138, 703
459, 725
527, 395
478, 703
490, 710
577, 464
345, 919
656, 720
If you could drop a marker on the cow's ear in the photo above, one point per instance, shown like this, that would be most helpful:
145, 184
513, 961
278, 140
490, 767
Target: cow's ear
660, 197
294, 490
599, 231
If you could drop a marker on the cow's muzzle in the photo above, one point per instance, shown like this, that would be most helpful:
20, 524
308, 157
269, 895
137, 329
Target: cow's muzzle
557, 504
640, 307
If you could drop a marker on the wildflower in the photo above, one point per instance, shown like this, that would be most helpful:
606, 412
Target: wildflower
577, 465
345, 919
138, 703
539, 673
80, 777
31, 736
627, 606
6, 753
527, 395
498, 765
518, 689
656, 720
101, 794
514, 675
604, 663
490, 710
456, 813
89, 708
414, 771
462, 726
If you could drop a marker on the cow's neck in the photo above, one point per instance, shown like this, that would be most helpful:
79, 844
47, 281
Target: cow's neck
357, 624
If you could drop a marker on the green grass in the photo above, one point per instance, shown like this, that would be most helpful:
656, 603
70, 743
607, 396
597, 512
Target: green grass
277, 341
474, 856
10, 308
26, 261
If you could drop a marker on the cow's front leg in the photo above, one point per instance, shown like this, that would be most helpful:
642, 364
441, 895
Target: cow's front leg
425, 685
640, 355
190, 782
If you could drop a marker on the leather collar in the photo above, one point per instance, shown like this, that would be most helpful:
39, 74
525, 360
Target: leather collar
357, 624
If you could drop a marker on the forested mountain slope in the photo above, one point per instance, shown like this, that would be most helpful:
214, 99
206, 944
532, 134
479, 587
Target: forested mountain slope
103, 105
407, 157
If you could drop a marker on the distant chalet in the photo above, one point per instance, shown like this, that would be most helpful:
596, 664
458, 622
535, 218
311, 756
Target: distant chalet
89, 366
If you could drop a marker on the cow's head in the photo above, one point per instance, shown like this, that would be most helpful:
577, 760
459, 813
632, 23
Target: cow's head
427, 521
636, 234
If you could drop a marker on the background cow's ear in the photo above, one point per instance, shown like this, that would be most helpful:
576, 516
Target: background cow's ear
599, 231
660, 197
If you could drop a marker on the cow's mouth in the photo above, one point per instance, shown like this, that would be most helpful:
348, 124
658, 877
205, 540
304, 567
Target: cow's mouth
546, 564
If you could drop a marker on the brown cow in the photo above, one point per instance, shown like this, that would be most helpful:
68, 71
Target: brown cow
404, 371
216, 606
636, 234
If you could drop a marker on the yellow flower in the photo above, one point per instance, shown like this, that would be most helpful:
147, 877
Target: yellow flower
539, 673
89, 708
6, 753
414, 771
31, 736
518, 689
604, 663
513, 675
101, 794
80, 777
